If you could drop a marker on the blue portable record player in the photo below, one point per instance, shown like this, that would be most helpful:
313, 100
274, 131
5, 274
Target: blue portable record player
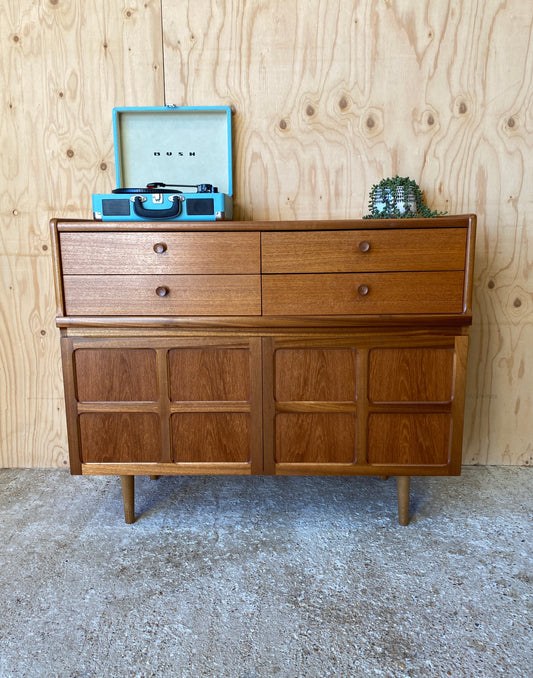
172, 163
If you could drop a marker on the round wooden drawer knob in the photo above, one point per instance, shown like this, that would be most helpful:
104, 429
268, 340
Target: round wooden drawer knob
162, 291
363, 290
160, 247
364, 246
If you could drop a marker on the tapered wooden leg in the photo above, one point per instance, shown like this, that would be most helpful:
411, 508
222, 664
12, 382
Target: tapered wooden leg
383, 477
155, 477
402, 483
128, 497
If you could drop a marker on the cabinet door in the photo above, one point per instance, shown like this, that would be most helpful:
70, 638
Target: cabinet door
415, 405
163, 405
364, 404
215, 405
310, 406
116, 402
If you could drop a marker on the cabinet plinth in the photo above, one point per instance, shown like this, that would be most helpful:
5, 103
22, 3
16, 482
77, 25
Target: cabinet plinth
321, 348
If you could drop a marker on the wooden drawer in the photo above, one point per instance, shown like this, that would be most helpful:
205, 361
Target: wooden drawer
409, 249
136, 253
363, 294
139, 295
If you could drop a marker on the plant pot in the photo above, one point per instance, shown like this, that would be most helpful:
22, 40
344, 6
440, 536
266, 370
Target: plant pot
388, 200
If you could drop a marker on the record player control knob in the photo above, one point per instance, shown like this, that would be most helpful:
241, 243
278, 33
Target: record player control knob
162, 291
363, 290
364, 246
160, 247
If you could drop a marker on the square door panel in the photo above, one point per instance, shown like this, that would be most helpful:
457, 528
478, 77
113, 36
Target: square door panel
411, 375
207, 374
115, 374
315, 374
216, 437
410, 439
120, 437
315, 438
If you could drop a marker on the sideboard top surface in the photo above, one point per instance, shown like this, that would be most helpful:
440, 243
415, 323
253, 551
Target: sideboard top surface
452, 221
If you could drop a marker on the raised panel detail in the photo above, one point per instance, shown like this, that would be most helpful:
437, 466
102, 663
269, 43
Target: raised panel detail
206, 374
411, 375
211, 437
115, 374
417, 439
120, 437
315, 374
315, 438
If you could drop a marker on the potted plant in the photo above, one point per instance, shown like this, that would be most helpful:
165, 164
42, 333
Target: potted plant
398, 198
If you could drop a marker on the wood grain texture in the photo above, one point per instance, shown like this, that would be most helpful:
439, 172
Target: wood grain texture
63, 66
120, 437
386, 250
362, 293
32, 414
203, 374
329, 97
115, 374
410, 439
151, 253
307, 374
211, 437
315, 438
411, 375
178, 295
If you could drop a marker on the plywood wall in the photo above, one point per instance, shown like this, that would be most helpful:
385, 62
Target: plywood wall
328, 98
63, 66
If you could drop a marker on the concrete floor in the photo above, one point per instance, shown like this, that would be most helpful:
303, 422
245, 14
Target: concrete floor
266, 577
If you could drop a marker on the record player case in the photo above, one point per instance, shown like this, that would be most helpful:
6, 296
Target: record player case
163, 152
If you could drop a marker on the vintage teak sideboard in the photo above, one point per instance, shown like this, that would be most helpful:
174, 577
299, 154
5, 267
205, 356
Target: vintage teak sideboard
282, 347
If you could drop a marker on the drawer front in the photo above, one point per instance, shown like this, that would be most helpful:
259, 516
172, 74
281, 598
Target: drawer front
409, 249
138, 253
363, 294
145, 295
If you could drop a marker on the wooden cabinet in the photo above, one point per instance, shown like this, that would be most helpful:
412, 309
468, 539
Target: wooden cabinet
265, 347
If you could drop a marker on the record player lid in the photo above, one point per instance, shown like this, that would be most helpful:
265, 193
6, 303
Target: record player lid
173, 144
